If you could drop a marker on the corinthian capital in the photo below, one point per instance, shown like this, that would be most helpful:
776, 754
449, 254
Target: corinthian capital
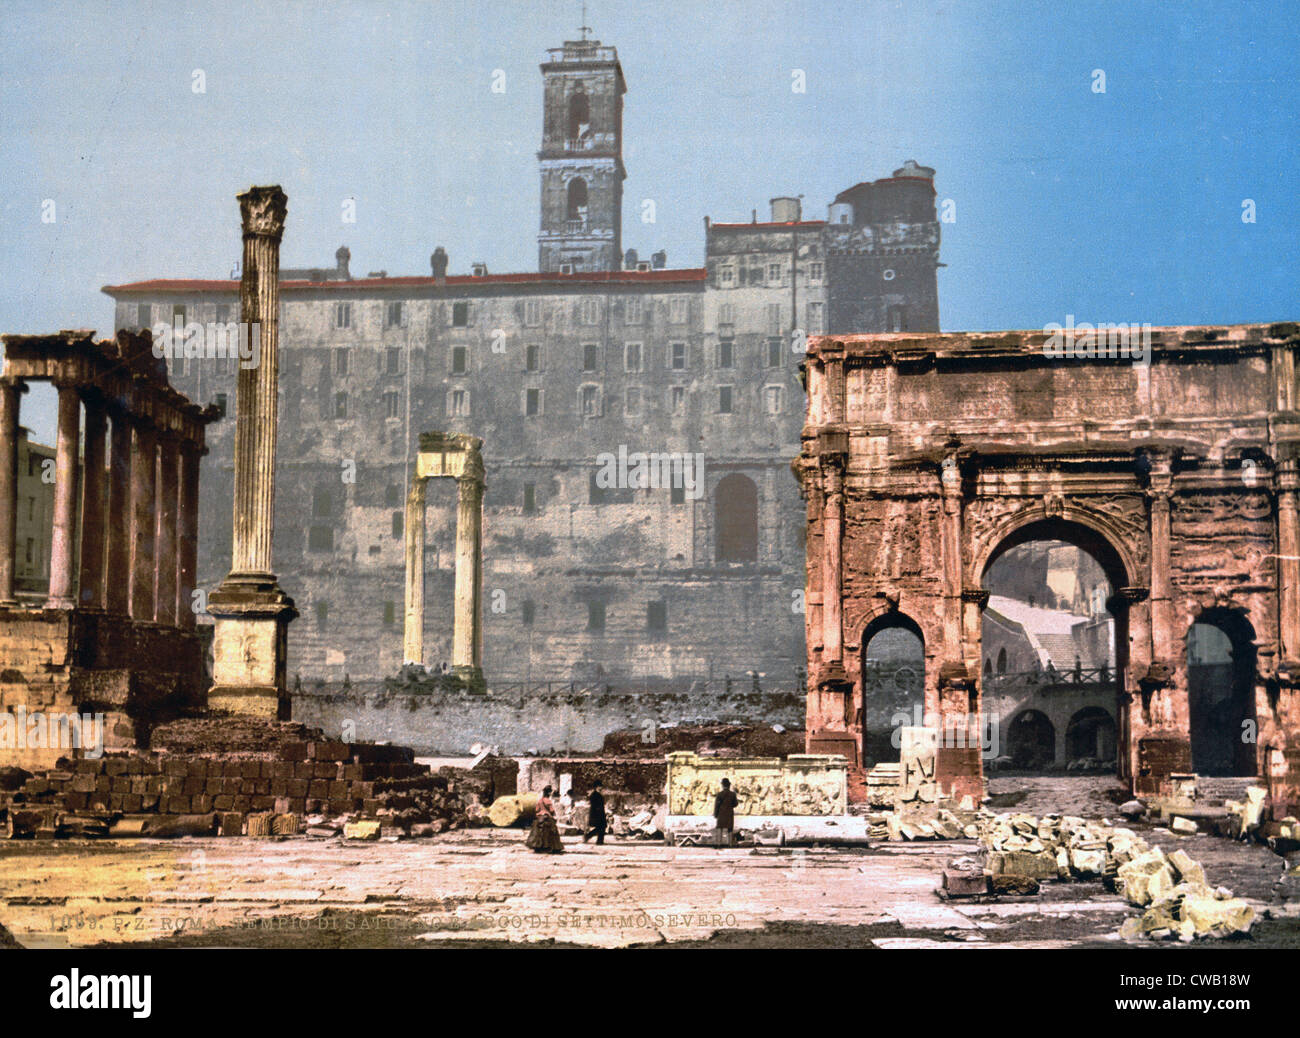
262, 210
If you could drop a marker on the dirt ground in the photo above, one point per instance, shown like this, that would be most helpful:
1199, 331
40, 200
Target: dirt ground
483, 887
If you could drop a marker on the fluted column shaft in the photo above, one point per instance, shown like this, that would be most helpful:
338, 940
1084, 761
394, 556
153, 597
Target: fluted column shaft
144, 497
117, 590
263, 213
187, 527
94, 498
63, 541
9, 407
466, 636
413, 630
165, 546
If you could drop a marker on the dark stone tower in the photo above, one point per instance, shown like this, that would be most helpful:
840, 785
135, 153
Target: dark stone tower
582, 159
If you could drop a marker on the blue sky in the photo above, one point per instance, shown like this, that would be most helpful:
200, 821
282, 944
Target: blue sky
1122, 206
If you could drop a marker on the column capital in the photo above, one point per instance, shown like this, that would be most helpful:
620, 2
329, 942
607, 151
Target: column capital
262, 211
978, 595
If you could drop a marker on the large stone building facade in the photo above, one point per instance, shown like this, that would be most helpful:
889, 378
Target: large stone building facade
599, 355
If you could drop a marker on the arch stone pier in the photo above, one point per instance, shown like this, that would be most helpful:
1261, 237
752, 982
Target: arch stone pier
1177, 466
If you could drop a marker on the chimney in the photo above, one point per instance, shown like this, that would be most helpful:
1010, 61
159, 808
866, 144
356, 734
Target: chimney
343, 256
786, 210
629, 259
438, 263
659, 260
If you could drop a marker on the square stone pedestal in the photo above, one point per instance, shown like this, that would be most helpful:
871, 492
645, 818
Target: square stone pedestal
250, 648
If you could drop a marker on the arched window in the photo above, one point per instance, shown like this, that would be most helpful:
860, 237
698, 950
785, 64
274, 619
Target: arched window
579, 115
577, 199
735, 519
1002, 660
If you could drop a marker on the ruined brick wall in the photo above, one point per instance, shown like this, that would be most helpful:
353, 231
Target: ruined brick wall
517, 723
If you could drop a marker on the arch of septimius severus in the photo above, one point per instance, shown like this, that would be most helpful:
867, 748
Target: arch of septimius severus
926, 457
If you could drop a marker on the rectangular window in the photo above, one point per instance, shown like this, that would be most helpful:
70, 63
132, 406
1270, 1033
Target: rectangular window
340, 405
774, 318
635, 313
458, 403
774, 273
677, 309
321, 503
595, 616
530, 498
391, 404
390, 613
816, 319
322, 613
728, 276
394, 315
677, 495
397, 526
342, 315
633, 406
222, 402
677, 400
724, 400
726, 314
320, 538
393, 495
532, 312
144, 316
529, 611
532, 402
589, 311
772, 399
677, 356
656, 617
392, 361
632, 356
589, 401
460, 314
814, 271
223, 313
178, 316
589, 357
459, 360
897, 319
532, 357
775, 352
726, 353
341, 361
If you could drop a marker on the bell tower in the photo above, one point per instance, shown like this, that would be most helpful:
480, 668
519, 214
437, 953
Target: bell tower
582, 158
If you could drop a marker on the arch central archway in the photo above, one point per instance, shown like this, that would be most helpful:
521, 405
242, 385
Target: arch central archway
1056, 635
1221, 668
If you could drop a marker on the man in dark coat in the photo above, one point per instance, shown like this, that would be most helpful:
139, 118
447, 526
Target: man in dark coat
595, 815
724, 812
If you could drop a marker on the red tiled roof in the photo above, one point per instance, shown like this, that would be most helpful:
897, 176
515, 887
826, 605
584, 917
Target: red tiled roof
689, 274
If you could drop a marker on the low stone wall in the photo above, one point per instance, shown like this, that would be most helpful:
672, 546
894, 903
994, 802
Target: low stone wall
448, 722
799, 785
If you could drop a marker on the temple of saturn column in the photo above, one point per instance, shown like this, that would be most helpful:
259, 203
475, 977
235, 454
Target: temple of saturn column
250, 611
459, 457
116, 631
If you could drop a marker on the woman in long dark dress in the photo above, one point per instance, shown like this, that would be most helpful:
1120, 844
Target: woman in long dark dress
544, 837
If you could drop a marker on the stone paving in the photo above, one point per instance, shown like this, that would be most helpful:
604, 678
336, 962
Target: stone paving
484, 886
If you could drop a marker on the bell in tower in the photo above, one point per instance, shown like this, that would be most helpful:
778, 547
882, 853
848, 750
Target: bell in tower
581, 159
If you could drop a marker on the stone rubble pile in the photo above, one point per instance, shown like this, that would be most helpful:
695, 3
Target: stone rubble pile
1172, 891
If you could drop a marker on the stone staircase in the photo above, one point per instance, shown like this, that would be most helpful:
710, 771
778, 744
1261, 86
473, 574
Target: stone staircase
1217, 790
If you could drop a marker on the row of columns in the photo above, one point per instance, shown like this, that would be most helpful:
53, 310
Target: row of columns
137, 488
